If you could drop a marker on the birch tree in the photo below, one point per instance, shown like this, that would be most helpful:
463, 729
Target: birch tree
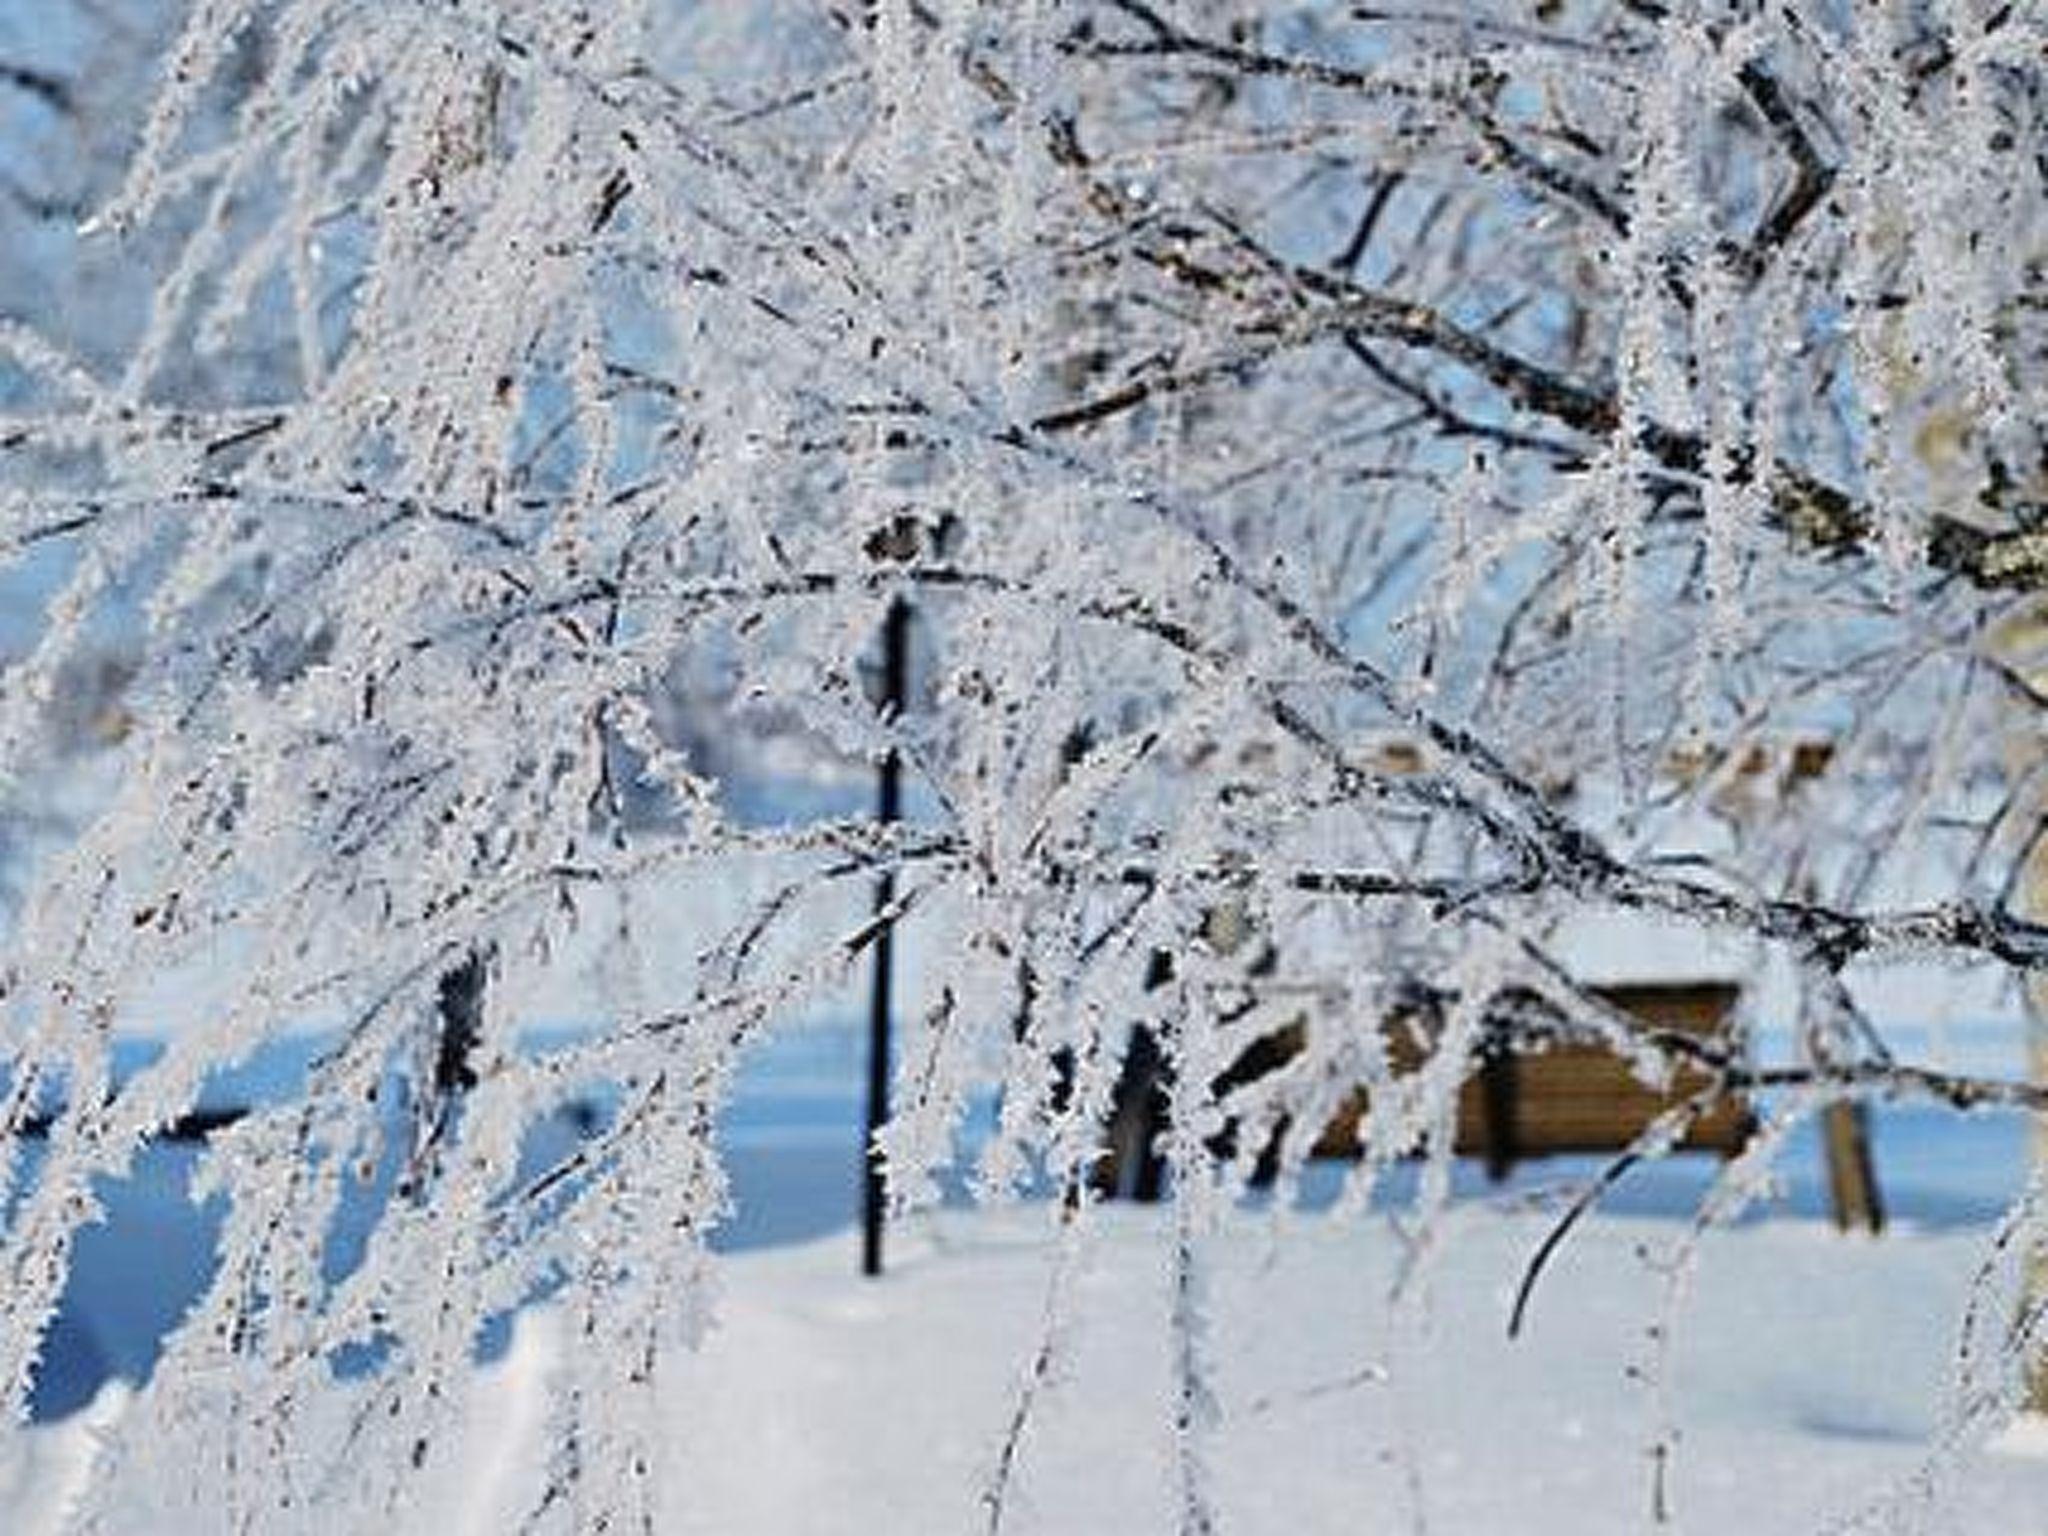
1398, 474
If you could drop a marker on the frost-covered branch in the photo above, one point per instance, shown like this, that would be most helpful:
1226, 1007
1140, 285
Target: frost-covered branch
1378, 486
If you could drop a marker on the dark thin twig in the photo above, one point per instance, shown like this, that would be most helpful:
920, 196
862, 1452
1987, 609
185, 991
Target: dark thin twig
1661, 1132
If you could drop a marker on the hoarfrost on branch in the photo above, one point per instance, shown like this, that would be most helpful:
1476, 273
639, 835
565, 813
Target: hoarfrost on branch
1376, 486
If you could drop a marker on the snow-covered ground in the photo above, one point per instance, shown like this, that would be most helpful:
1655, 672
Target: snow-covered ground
1809, 1386
791, 1138
1811, 1373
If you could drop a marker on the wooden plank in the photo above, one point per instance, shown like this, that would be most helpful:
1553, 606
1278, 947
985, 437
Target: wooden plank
1572, 1097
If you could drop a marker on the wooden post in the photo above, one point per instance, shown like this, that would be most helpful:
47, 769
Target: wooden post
1852, 1176
461, 998
1498, 1093
888, 809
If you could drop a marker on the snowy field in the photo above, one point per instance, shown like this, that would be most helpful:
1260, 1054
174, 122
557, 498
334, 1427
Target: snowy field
1810, 1379
791, 1137
1810, 1375
1809, 1387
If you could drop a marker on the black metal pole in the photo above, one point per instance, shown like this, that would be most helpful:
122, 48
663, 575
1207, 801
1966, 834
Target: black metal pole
889, 808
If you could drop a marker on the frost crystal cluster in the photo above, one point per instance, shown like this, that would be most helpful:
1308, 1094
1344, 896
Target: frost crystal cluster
1377, 490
